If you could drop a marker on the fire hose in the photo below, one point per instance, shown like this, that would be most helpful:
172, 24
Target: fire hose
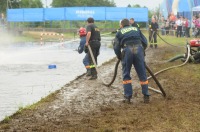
167, 42
188, 56
176, 58
115, 74
148, 69
98, 72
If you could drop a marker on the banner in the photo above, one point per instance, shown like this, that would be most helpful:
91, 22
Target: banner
115, 14
33, 15
15, 15
139, 14
54, 14
82, 13
76, 13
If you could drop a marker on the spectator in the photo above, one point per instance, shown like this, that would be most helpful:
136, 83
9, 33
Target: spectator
155, 17
162, 25
196, 22
172, 17
167, 27
172, 20
187, 25
192, 24
183, 26
2, 19
179, 25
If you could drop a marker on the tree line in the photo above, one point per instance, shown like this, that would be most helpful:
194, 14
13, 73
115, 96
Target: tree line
14, 4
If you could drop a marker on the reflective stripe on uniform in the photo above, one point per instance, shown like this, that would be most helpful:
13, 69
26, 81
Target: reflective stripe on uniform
87, 67
144, 82
126, 30
92, 66
127, 81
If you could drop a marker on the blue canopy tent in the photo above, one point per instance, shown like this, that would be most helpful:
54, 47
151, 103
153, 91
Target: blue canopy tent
184, 9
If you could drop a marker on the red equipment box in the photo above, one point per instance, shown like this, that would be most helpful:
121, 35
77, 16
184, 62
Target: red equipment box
195, 43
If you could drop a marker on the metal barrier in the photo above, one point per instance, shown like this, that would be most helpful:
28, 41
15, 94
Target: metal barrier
51, 34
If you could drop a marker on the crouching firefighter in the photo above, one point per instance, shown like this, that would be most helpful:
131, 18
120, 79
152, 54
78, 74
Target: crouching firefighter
82, 33
133, 43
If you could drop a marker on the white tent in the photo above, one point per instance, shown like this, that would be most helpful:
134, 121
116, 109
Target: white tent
197, 8
195, 11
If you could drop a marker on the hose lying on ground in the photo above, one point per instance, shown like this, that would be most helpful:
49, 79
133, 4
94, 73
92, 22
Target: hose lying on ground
98, 72
157, 82
188, 56
176, 58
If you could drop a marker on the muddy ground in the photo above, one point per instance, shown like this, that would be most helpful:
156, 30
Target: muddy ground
88, 105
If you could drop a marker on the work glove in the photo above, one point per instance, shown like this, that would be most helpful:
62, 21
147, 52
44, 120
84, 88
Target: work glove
85, 49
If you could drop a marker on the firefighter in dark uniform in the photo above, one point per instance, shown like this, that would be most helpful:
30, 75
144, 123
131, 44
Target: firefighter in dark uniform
133, 23
133, 43
93, 39
82, 33
153, 33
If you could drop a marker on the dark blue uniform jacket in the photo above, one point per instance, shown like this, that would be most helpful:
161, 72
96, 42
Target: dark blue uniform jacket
128, 36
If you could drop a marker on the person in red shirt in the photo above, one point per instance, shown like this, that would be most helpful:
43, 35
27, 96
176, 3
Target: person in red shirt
187, 26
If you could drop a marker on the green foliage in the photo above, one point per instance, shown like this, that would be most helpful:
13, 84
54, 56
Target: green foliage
129, 5
13, 4
136, 6
69, 3
3, 6
31, 4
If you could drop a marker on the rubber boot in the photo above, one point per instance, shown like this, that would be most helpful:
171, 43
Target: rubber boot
145, 92
93, 74
88, 73
127, 99
151, 46
146, 99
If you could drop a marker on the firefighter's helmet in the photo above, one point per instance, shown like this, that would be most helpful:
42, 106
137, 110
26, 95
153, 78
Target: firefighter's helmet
82, 32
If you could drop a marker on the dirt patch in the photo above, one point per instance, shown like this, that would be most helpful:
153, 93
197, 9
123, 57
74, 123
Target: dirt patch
85, 105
